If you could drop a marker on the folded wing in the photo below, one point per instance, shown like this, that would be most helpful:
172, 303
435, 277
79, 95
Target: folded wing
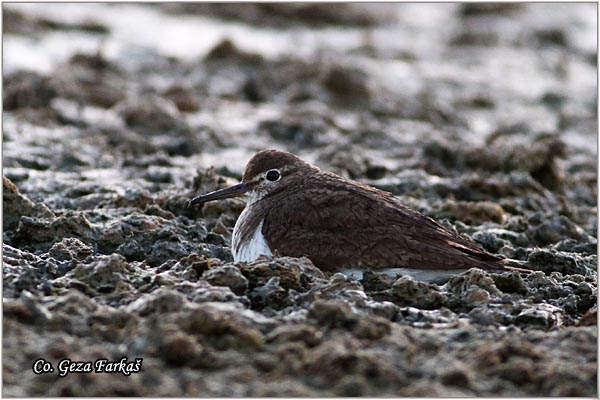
339, 225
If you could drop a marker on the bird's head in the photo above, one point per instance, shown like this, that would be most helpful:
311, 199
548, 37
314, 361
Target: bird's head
267, 172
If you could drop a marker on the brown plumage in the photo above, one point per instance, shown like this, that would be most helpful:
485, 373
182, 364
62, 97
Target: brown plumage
339, 223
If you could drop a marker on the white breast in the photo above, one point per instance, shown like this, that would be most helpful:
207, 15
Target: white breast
252, 249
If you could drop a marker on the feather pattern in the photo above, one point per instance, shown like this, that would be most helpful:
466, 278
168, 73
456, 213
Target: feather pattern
295, 209
340, 223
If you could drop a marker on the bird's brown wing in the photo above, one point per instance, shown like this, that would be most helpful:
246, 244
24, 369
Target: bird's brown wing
358, 226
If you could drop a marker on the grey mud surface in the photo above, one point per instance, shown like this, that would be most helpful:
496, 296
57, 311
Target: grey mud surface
482, 117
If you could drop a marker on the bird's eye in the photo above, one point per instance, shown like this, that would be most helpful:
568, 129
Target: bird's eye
273, 175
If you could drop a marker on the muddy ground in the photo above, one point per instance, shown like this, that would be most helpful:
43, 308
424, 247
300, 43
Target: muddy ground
480, 116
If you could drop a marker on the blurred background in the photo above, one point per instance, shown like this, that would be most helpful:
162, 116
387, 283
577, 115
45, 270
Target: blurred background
482, 116
222, 78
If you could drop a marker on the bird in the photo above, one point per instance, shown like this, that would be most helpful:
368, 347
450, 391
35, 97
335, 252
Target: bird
296, 209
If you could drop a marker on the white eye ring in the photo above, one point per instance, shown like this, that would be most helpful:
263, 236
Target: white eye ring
273, 175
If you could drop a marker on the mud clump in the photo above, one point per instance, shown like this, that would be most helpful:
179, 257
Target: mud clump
510, 283
347, 85
227, 276
152, 116
477, 212
281, 15
90, 79
104, 146
184, 100
298, 274
15, 206
226, 50
506, 151
560, 262
555, 229
407, 291
27, 89
295, 131
46, 231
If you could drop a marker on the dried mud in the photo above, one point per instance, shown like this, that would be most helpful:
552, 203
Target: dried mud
480, 116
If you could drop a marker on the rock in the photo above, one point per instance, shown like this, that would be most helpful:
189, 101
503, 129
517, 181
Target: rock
348, 85
151, 238
70, 249
548, 261
475, 212
15, 205
89, 26
538, 279
255, 89
470, 289
271, 294
478, 9
373, 282
297, 131
458, 284
347, 163
183, 98
371, 328
308, 335
351, 386
507, 151
220, 330
457, 375
105, 274
276, 15
552, 36
510, 283
489, 241
554, 230
503, 235
75, 312
541, 316
50, 230
229, 276
27, 89
286, 388
152, 116
206, 293
192, 267
407, 291
26, 309
293, 273
333, 360
483, 316
226, 50
179, 348
90, 79
476, 296
132, 250
161, 301
333, 314
518, 372
584, 289
575, 246
339, 287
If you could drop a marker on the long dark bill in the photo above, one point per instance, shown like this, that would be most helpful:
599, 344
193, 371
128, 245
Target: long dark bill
232, 191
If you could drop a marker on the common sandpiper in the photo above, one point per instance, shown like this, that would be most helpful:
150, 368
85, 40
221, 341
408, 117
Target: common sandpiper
295, 209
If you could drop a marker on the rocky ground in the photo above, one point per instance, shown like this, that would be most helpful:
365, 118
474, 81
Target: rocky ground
480, 116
